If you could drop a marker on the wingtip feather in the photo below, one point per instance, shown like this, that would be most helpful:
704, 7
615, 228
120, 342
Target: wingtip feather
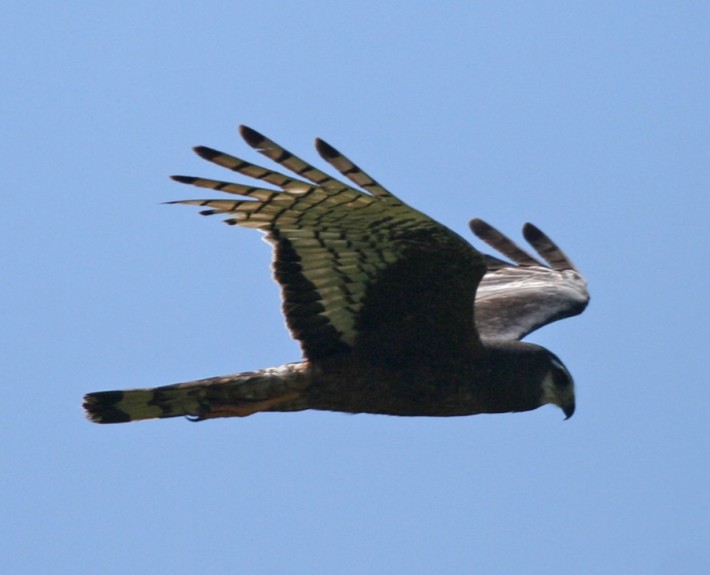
206, 153
251, 136
499, 241
183, 179
326, 150
532, 233
478, 226
548, 249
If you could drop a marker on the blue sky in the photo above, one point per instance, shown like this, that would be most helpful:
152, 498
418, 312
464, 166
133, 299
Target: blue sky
591, 120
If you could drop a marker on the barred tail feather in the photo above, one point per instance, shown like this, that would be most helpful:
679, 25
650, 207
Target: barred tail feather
238, 395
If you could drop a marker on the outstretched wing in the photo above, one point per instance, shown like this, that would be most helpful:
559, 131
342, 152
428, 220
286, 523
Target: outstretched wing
516, 298
359, 269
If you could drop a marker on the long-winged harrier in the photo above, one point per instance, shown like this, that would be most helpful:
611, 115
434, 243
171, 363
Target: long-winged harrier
395, 313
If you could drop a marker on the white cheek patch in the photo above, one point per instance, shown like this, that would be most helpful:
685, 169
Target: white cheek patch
554, 393
549, 390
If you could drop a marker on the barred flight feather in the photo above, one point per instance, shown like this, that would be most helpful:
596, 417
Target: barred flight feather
332, 241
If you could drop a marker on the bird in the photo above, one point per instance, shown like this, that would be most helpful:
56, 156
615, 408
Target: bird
395, 313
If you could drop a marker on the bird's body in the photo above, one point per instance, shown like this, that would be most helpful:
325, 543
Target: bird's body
381, 298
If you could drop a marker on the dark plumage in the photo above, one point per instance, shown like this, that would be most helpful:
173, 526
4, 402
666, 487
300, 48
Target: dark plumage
381, 298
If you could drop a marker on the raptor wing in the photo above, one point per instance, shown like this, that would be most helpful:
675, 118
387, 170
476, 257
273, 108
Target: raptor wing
359, 269
517, 297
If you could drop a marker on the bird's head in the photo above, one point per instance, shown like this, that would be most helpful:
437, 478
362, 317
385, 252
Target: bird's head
558, 387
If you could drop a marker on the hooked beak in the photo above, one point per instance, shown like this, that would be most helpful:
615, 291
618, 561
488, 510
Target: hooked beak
568, 409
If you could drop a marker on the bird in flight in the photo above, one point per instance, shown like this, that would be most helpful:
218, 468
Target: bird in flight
395, 313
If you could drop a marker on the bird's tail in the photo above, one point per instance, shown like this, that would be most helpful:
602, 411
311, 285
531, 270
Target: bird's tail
238, 395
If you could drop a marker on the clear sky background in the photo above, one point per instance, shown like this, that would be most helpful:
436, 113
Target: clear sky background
590, 119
